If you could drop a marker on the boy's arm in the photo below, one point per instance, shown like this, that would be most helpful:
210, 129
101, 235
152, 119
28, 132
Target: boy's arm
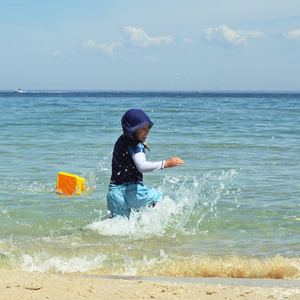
173, 162
146, 166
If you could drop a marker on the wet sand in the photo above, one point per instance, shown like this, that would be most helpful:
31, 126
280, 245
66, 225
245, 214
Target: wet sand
25, 285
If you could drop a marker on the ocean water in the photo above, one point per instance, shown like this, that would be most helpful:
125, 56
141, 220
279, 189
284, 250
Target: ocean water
232, 209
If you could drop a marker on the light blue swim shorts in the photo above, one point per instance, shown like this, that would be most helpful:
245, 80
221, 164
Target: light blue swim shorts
121, 199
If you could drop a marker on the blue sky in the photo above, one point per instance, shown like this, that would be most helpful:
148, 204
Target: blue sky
150, 45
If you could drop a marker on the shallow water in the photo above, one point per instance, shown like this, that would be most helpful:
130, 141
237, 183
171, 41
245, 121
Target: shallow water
232, 210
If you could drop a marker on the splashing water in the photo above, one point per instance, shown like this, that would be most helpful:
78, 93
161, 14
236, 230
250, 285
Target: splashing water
187, 202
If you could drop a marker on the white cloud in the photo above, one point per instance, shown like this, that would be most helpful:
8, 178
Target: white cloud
138, 37
153, 58
188, 41
58, 54
224, 33
105, 49
293, 35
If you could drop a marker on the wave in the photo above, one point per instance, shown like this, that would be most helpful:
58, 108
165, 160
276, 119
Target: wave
139, 262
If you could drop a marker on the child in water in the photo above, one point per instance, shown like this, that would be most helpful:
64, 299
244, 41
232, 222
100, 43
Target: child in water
126, 190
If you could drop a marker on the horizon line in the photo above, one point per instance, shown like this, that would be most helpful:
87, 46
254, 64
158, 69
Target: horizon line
154, 91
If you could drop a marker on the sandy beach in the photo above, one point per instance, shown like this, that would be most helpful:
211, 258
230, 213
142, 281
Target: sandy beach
23, 285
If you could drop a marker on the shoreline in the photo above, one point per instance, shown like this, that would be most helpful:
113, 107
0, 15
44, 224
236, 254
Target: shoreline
25, 285
259, 282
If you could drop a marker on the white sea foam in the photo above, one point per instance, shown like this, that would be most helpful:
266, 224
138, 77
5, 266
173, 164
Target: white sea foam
149, 221
45, 262
173, 212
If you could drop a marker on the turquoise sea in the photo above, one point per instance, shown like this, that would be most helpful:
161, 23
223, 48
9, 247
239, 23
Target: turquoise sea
232, 209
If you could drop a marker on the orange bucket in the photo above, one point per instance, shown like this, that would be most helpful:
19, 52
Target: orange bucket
68, 184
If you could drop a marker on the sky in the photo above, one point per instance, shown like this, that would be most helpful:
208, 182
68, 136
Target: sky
190, 45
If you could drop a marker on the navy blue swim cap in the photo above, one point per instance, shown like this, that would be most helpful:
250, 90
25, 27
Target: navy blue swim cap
134, 119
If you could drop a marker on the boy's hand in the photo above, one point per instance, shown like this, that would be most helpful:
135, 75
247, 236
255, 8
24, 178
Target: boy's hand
173, 162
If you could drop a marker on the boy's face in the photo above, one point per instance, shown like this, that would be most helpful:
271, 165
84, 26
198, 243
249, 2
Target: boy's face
141, 133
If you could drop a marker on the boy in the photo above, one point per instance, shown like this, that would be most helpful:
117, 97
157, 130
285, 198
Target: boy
126, 189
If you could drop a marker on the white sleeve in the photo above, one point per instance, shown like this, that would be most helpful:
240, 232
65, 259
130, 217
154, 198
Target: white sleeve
146, 166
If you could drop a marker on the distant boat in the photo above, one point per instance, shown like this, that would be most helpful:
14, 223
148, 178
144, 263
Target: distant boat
18, 91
